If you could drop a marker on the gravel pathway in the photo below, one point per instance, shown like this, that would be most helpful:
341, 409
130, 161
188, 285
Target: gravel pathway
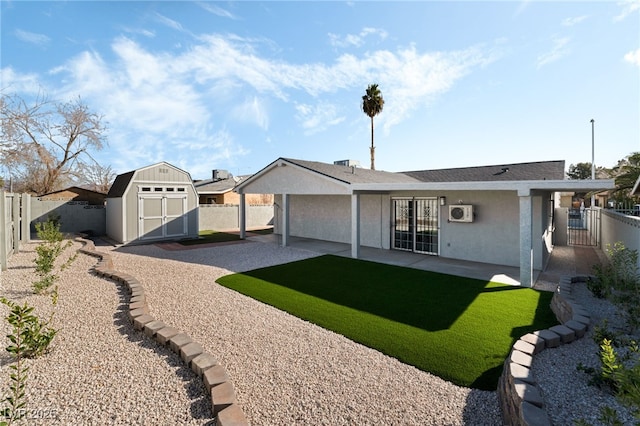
99, 371
285, 371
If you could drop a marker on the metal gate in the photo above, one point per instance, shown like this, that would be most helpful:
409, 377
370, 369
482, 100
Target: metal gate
583, 227
415, 225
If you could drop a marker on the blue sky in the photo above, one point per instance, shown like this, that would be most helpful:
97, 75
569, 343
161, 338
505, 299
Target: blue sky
235, 85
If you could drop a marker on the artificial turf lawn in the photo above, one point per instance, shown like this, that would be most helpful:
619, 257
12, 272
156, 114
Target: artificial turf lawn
460, 329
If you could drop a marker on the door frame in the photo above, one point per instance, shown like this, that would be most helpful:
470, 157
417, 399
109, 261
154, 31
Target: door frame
164, 217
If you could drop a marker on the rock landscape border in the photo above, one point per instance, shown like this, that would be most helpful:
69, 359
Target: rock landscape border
520, 399
224, 404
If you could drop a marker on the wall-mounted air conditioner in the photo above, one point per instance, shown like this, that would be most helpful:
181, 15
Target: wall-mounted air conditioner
461, 213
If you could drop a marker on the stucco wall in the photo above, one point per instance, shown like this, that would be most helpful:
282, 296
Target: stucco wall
493, 237
291, 179
326, 218
75, 216
220, 218
620, 227
329, 218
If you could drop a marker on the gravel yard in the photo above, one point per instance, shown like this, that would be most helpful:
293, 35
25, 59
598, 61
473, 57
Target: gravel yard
285, 371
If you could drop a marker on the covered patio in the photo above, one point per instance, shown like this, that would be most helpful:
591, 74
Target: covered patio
565, 260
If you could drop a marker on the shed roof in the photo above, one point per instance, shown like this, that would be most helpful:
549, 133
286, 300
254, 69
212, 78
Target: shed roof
120, 185
122, 181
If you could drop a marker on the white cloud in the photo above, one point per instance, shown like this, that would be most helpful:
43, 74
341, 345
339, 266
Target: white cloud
633, 57
558, 51
521, 7
12, 82
570, 22
141, 31
628, 8
252, 111
356, 40
33, 38
169, 22
316, 118
216, 10
155, 99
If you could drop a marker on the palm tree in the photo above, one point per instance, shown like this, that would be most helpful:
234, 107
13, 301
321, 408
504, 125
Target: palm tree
372, 104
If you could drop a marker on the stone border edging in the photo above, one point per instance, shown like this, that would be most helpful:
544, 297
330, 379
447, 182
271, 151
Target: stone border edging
520, 399
224, 404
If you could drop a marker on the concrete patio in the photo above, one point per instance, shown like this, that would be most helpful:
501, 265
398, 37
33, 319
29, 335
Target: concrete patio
565, 260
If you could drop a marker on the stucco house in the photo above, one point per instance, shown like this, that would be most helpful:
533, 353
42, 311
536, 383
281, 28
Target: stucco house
501, 214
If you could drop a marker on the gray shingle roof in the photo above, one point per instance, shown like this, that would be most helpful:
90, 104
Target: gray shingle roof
350, 174
210, 186
543, 170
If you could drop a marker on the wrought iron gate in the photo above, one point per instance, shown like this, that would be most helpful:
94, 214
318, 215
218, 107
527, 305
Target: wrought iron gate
583, 227
415, 224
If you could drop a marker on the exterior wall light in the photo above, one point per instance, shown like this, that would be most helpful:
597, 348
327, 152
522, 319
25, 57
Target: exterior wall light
443, 201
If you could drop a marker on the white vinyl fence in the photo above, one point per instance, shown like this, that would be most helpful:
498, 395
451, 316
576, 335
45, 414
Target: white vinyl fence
14, 224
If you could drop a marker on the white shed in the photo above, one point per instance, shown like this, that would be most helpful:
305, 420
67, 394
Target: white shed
153, 203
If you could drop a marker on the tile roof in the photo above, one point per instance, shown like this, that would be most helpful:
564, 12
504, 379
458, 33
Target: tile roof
542, 170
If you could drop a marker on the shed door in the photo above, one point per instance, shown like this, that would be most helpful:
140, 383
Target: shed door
162, 216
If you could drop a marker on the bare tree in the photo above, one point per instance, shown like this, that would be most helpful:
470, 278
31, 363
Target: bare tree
98, 178
47, 145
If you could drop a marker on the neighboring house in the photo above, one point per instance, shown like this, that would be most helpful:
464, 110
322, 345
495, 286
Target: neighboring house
500, 214
220, 190
77, 194
153, 203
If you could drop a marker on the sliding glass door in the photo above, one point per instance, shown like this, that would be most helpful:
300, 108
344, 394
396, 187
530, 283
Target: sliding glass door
415, 224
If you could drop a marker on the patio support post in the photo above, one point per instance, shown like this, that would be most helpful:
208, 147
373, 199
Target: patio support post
355, 226
243, 216
526, 238
285, 220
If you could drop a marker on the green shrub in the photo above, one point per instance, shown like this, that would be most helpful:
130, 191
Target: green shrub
30, 337
48, 251
619, 281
